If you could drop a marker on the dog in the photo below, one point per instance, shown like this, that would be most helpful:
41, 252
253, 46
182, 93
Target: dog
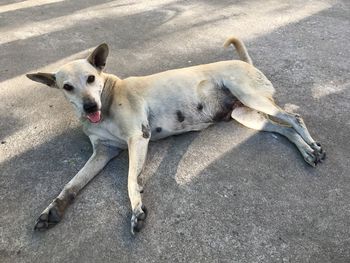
118, 114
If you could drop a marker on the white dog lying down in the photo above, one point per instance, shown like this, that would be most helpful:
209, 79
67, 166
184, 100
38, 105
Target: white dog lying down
126, 113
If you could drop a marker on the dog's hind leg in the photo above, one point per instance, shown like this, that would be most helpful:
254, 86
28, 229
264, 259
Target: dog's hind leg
260, 99
259, 121
54, 212
267, 106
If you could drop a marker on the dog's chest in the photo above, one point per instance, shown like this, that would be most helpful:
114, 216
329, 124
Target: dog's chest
107, 132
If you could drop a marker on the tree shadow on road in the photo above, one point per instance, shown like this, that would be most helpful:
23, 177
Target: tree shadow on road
258, 196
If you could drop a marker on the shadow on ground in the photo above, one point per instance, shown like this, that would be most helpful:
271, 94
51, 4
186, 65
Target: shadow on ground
225, 194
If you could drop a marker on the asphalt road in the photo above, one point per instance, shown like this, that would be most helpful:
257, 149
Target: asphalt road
226, 194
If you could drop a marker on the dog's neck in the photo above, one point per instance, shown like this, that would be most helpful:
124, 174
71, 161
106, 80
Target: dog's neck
110, 84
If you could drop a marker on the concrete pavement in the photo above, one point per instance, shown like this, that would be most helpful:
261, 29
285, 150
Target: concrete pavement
226, 194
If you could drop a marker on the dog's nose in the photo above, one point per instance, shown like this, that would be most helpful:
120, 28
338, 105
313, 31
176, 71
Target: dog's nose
90, 106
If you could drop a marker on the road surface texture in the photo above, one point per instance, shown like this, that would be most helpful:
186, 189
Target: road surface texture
226, 194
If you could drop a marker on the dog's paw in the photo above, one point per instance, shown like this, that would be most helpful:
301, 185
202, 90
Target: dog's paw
311, 159
319, 152
50, 217
138, 217
315, 155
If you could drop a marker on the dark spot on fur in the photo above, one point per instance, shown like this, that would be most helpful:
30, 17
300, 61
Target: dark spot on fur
222, 116
238, 104
158, 129
225, 89
145, 131
180, 116
228, 103
71, 197
61, 204
200, 106
54, 215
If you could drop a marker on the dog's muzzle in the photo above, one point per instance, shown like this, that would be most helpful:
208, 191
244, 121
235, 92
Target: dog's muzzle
90, 106
92, 111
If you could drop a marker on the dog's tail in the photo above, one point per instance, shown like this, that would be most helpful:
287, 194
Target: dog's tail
241, 49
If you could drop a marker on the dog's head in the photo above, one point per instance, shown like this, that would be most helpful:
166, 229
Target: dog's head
81, 81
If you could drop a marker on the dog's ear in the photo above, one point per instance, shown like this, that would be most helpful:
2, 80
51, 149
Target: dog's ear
99, 56
46, 78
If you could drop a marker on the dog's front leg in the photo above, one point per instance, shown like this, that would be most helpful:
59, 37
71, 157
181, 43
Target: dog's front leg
54, 212
137, 155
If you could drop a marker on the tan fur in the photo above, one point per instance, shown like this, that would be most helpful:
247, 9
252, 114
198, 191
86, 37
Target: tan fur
240, 48
138, 109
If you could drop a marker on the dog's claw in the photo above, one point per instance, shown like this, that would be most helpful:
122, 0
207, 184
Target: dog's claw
137, 219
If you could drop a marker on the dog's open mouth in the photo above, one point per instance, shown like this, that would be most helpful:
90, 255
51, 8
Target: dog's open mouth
94, 117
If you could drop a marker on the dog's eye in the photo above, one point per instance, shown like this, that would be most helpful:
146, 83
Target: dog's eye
90, 79
68, 87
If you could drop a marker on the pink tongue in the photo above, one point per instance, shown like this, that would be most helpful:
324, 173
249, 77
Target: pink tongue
94, 117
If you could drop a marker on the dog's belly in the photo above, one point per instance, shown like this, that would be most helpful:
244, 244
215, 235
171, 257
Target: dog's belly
195, 112
166, 132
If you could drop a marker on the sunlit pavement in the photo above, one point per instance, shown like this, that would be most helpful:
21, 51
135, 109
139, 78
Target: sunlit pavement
227, 194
